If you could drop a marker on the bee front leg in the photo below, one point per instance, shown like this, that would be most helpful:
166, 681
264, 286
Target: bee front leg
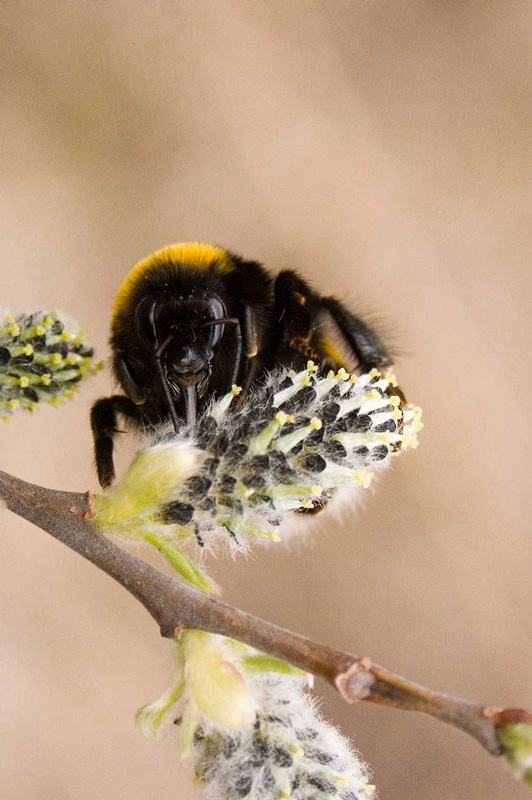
104, 415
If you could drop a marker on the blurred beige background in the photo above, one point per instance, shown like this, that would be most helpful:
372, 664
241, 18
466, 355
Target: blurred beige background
385, 150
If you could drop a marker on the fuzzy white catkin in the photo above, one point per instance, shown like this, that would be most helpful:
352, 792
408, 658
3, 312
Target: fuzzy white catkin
290, 752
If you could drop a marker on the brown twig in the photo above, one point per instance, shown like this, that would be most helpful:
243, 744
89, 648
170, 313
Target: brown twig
68, 517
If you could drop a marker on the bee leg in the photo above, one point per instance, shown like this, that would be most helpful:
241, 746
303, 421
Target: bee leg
296, 310
363, 341
103, 424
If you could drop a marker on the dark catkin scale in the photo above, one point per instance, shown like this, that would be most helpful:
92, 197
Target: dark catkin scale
282, 757
307, 734
268, 780
389, 425
322, 784
260, 751
207, 504
312, 462
210, 465
348, 795
379, 452
361, 423
31, 394
58, 327
328, 412
320, 756
221, 444
229, 748
280, 467
254, 480
226, 484
206, 431
177, 513
233, 503
22, 361
243, 785
335, 451
60, 347
315, 438
5, 356
197, 486
304, 397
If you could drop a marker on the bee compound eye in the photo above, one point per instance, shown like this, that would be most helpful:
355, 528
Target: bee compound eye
216, 311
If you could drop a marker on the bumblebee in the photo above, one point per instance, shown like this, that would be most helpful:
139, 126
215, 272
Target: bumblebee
193, 319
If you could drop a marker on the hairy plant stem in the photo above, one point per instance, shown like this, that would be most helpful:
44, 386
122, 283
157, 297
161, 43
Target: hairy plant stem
67, 516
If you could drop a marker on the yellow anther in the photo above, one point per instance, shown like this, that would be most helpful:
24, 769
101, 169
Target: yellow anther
364, 478
353, 378
46, 379
292, 373
341, 781
395, 400
13, 404
14, 330
390, 377
373, 395
281, 418
369, 788
33, 407
311, 366
307, 504
27, 350
23, 382
316, 423
9, 318
397, 413
235, 389
342, 375
56, 401
249, 492
297, 752
375, 373
65, 336
71, 359
100, 365
330, 374
40, 330
317, 490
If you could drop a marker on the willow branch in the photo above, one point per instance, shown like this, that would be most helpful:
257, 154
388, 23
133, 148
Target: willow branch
67, 516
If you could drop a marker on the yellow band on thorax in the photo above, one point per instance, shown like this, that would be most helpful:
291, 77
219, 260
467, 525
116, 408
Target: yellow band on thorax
188, 254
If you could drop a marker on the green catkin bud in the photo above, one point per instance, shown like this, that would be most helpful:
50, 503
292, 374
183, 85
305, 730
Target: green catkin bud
290, 446
43, 357
514, 730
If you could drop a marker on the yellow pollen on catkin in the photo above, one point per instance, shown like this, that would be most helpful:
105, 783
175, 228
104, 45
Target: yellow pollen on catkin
56, 401
390, 377
311, 366
316, 423
281, 418
342, 374
9, 318
13, 404
235, 389
369, 788
364, 479
341, 781
317, 490
14, 330
24, 382
395, 400
353, 378
40, 330
46, 379
397, 413
65, 336
28, 350
374, 395
375, 373
297, 752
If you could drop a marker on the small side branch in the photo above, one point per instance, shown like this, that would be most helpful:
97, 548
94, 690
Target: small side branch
68, 517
